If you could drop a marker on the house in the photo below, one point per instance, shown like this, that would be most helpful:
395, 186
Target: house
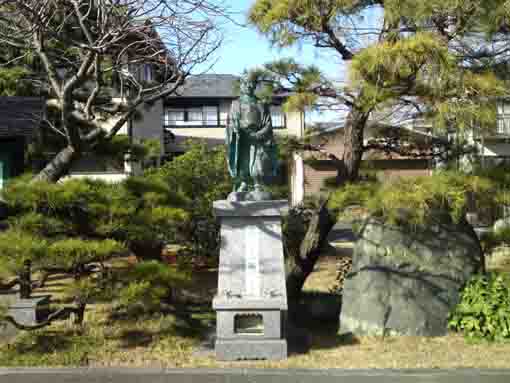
20, 120
198, 110
493, 147
489, 148
314, 170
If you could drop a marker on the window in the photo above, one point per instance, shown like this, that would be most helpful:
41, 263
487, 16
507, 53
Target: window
174, 117
192, 116
503, 119
277, 117
211, 115
195, 116
147, 72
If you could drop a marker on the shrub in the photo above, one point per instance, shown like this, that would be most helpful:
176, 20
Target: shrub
201, 177
484, 309
68, 226
150, 283
74, 253
16, 247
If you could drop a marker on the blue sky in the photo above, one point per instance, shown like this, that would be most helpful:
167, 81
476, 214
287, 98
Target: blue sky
245, 48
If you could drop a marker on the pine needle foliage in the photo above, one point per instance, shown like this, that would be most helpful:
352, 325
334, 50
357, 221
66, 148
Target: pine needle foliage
150, 283
422, 66
16, 247
71, 225
418, 198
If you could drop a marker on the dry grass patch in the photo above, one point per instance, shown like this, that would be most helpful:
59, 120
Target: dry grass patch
170, 340
406, 352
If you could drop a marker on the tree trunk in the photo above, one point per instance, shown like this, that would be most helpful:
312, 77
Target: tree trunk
302, 264
58, 166
353, 146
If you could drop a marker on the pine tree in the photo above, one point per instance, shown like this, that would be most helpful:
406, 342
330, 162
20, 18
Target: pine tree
429, 58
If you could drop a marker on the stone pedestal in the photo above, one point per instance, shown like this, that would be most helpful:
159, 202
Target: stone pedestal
251, 303
30, 311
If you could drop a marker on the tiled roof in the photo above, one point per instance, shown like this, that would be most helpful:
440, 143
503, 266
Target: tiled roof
209, 86
20, 116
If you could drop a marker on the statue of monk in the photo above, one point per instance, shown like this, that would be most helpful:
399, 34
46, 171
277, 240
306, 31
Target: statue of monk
251, 148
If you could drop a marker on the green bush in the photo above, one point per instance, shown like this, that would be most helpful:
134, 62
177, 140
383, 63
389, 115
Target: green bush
71, 225
484, 309
150, 283
16, 247
201, 177
74, 253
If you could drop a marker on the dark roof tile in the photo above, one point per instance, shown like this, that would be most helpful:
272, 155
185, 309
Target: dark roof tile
209, 86
20, 115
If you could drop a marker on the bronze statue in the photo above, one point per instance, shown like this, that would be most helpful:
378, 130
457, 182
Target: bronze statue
252, 159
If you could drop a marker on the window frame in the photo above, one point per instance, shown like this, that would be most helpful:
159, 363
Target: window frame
187, 123
283, 117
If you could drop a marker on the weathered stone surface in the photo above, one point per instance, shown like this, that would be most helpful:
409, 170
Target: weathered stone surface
30, 311
406, 282
238, 349
274, 208
251, 281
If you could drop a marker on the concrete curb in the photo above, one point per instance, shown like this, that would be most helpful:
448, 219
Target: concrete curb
139, 375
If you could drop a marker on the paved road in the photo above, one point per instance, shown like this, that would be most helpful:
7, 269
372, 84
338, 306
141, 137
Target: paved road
250, 376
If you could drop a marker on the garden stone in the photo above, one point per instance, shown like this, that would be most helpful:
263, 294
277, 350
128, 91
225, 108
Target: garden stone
406, 282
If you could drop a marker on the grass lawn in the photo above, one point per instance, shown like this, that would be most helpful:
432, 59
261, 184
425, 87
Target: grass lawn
170, 340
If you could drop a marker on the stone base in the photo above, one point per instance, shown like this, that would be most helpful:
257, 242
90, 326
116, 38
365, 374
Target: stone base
30, 311
242, 349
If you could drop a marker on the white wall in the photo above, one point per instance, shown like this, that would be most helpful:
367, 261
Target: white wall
495, 149
150, 124
297, 180
108, 177
294, 126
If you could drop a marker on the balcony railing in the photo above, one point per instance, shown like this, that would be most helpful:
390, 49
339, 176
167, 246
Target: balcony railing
194, 123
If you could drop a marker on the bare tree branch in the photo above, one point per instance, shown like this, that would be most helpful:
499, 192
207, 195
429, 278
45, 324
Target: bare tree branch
87, 47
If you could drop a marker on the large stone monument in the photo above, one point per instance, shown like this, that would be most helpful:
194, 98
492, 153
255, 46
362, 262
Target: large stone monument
251, 302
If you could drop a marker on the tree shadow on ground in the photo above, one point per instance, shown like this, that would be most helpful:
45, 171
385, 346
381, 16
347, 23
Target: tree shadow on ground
189, 321
315, 323
43, 342
133, 338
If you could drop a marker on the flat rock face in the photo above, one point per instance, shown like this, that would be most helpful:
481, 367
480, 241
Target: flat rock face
406, 282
